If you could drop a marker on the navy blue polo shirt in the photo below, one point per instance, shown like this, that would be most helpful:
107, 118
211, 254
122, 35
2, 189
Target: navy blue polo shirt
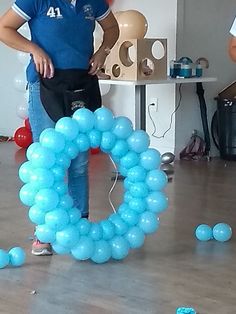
63, 30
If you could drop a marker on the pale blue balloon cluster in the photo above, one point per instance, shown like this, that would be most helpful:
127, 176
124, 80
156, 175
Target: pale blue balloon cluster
51, 207
14, 257
221, 232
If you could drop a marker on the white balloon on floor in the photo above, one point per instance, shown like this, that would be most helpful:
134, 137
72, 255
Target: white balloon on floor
22, 110
20, 82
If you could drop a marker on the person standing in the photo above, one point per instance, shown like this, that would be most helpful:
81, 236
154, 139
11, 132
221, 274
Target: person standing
232, 42
62, 70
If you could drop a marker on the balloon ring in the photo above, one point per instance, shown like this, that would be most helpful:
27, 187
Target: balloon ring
51, 208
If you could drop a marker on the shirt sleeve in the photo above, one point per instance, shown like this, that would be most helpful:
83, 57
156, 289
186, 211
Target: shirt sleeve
233, 28
102, 10
27, 9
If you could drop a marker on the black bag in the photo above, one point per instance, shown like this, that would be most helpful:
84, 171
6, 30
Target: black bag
68, 91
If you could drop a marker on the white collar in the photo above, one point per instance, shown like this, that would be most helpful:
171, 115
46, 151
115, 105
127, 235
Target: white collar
73, 2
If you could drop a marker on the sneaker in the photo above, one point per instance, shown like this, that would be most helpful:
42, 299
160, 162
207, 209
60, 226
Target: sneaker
41, 249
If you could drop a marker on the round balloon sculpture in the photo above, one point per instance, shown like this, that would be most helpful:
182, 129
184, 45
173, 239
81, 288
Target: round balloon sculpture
51, 207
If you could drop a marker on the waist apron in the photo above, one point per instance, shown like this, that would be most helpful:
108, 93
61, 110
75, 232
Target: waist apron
68, 91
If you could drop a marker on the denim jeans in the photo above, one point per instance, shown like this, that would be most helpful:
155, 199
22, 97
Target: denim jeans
78, 170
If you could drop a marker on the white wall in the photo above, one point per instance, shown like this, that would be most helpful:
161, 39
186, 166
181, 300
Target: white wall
10, 98
161, 17
203, 31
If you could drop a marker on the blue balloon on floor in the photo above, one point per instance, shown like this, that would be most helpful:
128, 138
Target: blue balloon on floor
203, 232
84, 249
222, 232
17, 256
102, 252
4, 259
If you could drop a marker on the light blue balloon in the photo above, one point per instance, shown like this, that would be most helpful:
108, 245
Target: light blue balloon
137, 204
31, 148
74, 215
120, 149
130, 217
123, 171
95, 138
130, 160
204, 232
127, 183
85, 119
45, 234
17, 256
47, 199
68, 127
53, 140
139, 189
156, 180
59, 249
71, 149
60, 187
127, 197
4, 259
135, 236
84, 249
63, 160
108, 229
82, 142
102, 252
27, 194
108, 141
41, 178
121, 226
138, 141
37, 215
83, 226
119, 247
68, 237
136, 174
150, 159
122, 208
222, 232
66, 201
25, 171
122, 127
57, 219
104, 119
148, 222
157, 202
95, 232
42, 157
58, 173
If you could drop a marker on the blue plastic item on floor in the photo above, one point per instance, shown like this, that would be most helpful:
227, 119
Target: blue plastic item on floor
185, 310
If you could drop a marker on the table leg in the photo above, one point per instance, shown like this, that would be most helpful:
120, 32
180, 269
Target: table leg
140, 107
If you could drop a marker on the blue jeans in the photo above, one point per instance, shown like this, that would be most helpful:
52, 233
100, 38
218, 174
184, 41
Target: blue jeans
78, 170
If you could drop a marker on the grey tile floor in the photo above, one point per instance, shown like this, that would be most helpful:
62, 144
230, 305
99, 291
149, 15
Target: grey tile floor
172, 269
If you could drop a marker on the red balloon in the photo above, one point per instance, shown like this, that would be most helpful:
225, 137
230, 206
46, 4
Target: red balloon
23, 137
27, 124
95, 150
110, 2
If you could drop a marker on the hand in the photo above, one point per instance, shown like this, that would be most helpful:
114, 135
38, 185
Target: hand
97, 61
43, 63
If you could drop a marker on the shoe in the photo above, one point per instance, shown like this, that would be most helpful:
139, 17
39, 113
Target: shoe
41, 249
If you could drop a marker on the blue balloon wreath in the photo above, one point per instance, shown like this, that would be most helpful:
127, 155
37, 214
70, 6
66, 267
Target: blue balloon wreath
51, 207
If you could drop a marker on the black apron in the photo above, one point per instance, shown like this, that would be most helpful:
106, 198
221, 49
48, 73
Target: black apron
68, 91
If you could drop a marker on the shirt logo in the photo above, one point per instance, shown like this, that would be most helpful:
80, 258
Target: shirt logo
88, 12
54, 12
